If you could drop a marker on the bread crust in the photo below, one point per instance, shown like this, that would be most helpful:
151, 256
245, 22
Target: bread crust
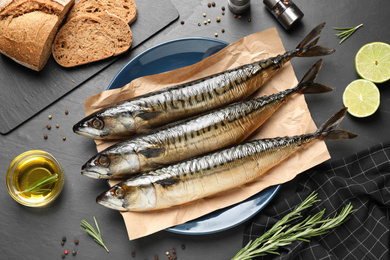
27, 29
125, 9
91, 37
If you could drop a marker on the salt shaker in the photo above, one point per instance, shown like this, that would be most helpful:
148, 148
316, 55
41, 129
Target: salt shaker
239, 6
285, 11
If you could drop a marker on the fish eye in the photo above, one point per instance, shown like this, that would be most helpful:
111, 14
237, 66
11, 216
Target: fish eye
98, 123
119, 192
103, 161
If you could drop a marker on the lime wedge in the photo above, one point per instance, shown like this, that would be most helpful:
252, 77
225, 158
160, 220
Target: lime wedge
361, 97
372, 62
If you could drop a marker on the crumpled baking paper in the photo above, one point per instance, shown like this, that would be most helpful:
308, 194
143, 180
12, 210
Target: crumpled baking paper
293, 118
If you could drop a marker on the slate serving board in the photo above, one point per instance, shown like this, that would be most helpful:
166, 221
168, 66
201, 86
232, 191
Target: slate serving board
24, 92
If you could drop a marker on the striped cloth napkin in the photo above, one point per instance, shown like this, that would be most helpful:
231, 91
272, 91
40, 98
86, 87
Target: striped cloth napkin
362, 179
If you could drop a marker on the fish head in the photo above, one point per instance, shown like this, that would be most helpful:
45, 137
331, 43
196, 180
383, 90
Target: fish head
109, 124
114, 162
134, 194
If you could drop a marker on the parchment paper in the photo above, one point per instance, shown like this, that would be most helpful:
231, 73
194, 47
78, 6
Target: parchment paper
291, 119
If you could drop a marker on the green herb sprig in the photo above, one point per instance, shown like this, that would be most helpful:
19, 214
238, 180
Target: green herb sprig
345, 32
38, 186
97, 236
282, 233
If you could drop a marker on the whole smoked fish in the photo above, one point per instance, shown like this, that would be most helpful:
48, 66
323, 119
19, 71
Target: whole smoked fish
144, 113
181, 140
216, 172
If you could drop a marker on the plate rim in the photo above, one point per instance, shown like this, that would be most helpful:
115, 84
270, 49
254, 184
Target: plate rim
273, 189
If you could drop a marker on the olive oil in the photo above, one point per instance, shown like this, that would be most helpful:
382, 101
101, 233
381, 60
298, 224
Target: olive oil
29, 168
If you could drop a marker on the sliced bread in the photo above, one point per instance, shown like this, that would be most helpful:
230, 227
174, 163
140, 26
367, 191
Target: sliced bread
125, 9
28, 27
91, 37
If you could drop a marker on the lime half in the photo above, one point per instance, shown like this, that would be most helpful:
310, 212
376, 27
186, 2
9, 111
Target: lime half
361, 97
372, 62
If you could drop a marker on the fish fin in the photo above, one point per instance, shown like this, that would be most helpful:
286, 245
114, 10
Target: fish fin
328, 130
151, 152
308, 46
165, 183
149, 115
307, 84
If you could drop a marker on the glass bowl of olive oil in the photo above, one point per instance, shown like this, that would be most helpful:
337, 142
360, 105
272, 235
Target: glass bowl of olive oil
35, 178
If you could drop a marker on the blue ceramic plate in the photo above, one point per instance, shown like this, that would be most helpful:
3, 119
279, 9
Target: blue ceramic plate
173, 55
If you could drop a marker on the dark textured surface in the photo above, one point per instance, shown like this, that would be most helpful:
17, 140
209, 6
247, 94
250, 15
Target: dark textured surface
36, 233
25, 92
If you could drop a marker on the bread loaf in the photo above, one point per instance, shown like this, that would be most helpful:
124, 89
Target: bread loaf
91, 37
28, 27
125, 9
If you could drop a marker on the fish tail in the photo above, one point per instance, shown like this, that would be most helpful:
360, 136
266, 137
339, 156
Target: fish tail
307, 84
308, 46
329, 131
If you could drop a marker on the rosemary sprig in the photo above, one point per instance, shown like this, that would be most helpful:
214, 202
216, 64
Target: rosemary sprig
282, 233
38, 186
97, 236
345, 32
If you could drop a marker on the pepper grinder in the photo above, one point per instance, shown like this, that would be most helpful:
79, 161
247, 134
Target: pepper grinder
239, 6
285, 11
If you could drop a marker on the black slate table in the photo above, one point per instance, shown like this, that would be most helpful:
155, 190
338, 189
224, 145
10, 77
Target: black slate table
28, 233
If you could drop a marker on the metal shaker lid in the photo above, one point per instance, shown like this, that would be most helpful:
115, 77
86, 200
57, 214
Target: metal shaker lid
270, 3
290, 16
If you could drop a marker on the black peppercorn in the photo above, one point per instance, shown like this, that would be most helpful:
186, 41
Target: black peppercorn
133, 254
183, 246
45, 136
64, 238
74, 252
76, 241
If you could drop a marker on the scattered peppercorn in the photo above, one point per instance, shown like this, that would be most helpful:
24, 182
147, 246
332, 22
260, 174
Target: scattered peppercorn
156, 257
66, 112
213, 4
45, 136
223, 30
223, 13
249, 19
66, 252
239, 17
173, 251
57, 125
199, 24
216, 34
218, 19
235, 16
63, 256
223, 8
167, 252
209, 21
209, 4
64, 138
182, 22
74, 252
183, 246
64, 238
133, 254
205, 22
50, 117
62, 243
76, 241
48, 127
204, 14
